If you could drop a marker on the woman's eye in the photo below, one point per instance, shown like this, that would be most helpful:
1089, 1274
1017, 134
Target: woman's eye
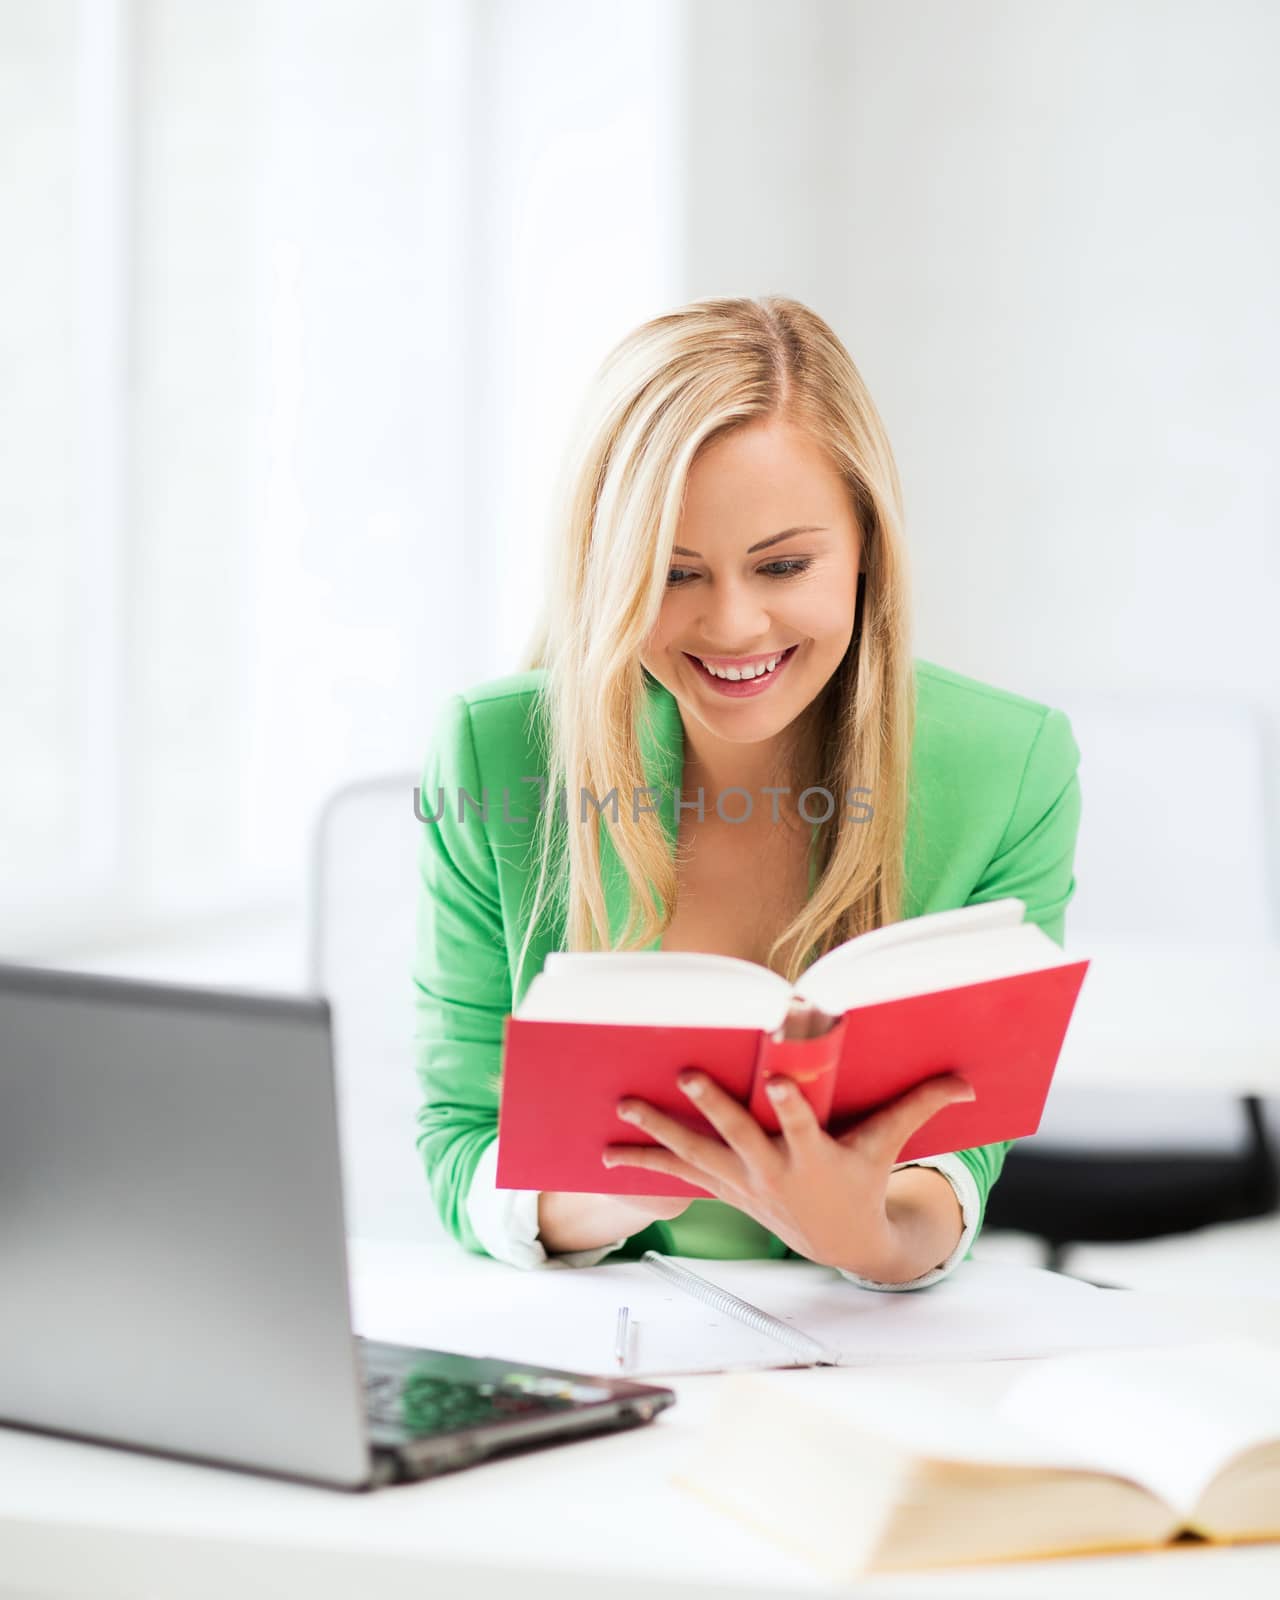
678, 576
790, 569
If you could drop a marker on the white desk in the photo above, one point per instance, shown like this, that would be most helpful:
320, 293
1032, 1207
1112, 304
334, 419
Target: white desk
598, 1517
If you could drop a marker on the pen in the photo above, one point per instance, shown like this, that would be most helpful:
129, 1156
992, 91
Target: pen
620, 1339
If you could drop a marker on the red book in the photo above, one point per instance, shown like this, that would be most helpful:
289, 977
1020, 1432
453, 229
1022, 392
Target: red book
976, 991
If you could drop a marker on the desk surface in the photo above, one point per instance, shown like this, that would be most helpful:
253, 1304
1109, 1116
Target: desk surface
81, 1519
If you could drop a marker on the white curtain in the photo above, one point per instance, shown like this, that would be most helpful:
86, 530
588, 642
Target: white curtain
299, 295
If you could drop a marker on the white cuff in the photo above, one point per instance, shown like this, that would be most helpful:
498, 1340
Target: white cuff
966, 1188
506, 1221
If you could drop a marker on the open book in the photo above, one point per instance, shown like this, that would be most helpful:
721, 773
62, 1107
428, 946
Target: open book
1083, 1453
977, 990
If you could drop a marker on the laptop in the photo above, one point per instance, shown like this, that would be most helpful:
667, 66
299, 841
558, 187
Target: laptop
173, 1251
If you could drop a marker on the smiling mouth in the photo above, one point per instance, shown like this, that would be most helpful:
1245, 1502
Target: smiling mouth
760, 664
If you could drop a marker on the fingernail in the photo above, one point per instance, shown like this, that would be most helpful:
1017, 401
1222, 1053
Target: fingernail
691, 1085
629, 1115
608, 1160
777, 1090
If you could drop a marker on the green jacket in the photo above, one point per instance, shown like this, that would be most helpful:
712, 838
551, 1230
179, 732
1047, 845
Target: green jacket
994, 809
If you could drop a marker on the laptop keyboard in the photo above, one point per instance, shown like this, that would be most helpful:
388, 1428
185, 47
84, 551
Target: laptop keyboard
425, 1403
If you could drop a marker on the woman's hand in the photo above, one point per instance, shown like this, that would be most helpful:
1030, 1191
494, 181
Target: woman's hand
828, 1199
568, 1220
652, 1208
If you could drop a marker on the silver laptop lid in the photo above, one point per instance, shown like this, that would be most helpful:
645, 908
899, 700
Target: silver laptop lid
172, 1245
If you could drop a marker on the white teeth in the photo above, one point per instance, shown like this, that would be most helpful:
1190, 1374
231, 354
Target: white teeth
744, 674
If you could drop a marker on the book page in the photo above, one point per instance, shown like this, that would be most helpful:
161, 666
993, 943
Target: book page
674, 988
663, 988
843, 978
928, 1423
1171, 1419
959, 920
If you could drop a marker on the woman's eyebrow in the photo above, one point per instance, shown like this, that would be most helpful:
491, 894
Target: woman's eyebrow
764, 544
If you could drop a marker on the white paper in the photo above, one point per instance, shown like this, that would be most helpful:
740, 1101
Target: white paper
566, 1317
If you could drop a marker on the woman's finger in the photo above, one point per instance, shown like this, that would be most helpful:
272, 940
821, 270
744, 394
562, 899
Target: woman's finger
656, 1160
732, 1121
883, 1134
796, 1117
697, 1150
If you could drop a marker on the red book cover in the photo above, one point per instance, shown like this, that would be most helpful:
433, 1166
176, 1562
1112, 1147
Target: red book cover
562, 1080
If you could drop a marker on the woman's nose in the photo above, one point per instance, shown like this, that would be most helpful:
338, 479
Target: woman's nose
734, 619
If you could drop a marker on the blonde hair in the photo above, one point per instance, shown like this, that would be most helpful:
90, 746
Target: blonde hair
662, 395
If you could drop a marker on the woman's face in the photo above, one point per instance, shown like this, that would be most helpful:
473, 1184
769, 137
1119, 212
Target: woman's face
730, 603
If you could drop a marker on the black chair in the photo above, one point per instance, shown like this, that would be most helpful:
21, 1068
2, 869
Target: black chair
1069, 1197
1135, 859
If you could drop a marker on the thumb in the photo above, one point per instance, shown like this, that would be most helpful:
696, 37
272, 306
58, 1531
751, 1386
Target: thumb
882, 1134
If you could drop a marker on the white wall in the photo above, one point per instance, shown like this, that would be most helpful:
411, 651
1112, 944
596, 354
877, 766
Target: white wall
577, 170
1048, 236
363, 258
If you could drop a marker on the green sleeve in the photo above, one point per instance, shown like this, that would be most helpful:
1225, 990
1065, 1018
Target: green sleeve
461, 977
1034, 862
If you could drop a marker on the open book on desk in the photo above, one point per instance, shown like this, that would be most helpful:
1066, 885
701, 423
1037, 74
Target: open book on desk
976, 990
1097, 1452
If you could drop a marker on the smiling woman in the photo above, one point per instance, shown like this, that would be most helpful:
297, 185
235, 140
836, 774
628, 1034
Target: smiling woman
725, 619
727, 611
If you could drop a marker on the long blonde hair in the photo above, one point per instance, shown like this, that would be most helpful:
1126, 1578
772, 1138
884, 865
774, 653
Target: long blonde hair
668, 389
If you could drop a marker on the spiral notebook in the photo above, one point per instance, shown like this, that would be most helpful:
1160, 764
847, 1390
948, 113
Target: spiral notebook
810, 1352
732, 1316
984, 1311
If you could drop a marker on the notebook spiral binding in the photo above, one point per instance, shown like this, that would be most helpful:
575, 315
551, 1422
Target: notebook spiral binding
814, 1353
